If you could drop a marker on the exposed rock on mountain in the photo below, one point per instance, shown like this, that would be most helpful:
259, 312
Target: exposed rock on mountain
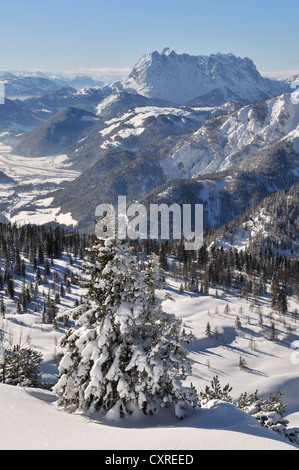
181, 77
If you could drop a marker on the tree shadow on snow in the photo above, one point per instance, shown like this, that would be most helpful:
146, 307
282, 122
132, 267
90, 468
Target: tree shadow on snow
219, 416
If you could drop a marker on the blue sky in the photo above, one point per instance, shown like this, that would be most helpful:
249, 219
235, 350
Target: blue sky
63, 35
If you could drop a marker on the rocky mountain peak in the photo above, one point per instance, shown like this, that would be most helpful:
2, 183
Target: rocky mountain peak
180, 78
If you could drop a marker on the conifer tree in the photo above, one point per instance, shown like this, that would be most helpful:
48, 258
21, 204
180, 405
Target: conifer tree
272, 334
260, 321
2, 307
127, 354
242, 363
215, 392
10, 287
208, 330
22, 367
238, 323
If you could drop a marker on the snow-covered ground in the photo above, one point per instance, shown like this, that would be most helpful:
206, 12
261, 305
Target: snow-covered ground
30, 419
270, 365
35, 179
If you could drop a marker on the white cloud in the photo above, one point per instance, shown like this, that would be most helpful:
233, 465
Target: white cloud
280, 74
96, 72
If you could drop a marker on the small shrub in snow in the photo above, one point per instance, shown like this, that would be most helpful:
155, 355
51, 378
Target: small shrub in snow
214, 392
270, 413
242, 363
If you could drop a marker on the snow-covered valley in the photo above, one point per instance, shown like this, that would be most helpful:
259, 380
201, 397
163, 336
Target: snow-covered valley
28, 198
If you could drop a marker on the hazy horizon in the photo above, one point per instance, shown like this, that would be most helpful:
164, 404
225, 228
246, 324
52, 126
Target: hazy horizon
65, 35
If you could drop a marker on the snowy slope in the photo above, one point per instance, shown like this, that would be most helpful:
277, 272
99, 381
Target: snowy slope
217, 426
225, 141
273, 225
30, 421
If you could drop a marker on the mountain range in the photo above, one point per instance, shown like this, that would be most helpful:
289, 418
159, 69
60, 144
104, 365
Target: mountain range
179, 128
27, 84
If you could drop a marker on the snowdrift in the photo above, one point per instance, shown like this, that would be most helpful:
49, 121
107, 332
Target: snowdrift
31, 421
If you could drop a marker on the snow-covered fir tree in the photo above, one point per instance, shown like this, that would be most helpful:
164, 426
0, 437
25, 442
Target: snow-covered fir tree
124, 353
